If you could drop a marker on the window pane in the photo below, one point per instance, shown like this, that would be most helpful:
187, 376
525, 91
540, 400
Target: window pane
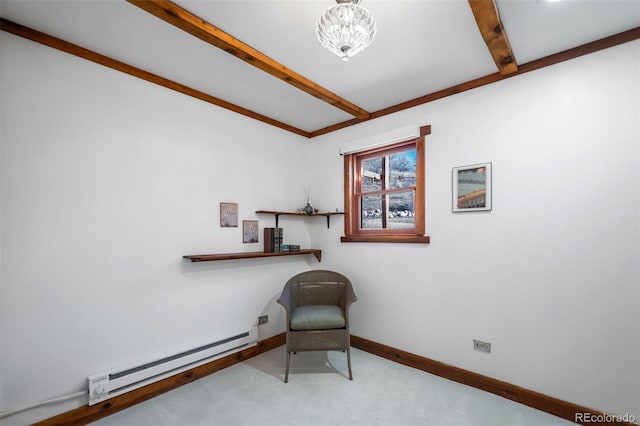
402, 169
372, 174
401, 210
371, 212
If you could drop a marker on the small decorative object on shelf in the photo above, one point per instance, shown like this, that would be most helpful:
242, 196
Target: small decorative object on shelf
308, 209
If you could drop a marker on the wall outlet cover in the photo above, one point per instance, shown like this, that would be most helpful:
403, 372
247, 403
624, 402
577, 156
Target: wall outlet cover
479, 345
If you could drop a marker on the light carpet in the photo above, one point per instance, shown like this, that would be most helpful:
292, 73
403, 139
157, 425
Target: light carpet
319, 393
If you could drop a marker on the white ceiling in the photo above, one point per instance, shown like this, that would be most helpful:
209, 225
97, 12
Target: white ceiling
422, 46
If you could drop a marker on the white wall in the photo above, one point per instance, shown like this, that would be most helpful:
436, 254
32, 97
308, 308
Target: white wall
107, 181
550, 276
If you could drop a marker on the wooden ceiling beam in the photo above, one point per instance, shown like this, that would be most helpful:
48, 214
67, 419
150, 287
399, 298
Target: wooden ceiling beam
192, 24
488, 20
73, 49
566, 55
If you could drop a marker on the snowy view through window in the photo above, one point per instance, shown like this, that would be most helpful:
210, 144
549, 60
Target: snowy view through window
388, 191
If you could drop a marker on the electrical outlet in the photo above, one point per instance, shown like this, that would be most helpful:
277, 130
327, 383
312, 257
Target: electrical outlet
263, 319
479, 345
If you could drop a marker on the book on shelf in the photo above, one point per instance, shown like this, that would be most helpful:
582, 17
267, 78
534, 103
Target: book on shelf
290, 247
272, 240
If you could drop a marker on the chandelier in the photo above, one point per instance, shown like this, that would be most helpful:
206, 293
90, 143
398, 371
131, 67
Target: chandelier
346, 28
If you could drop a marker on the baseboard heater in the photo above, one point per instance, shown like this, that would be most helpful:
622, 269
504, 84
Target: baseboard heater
115, 382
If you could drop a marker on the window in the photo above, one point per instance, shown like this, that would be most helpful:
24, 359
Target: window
384, 193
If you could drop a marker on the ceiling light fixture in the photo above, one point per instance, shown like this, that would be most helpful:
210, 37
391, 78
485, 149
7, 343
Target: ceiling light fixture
346, 28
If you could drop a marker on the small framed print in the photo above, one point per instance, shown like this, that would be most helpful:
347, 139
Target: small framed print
249, 231
472, 188
229, 215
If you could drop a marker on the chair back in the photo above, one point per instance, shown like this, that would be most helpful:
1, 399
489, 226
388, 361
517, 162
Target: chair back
319, 287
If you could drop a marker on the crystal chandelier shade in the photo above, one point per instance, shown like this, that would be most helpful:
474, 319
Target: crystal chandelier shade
346, 28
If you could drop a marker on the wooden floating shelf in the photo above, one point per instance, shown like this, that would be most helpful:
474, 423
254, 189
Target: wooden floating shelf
277, 214
250, 255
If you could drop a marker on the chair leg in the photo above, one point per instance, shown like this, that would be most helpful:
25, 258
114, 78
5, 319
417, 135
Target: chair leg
349, 362
286, 372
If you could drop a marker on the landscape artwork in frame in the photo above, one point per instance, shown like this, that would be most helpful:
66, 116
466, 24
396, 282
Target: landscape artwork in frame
229, 215
249, 231
472, 188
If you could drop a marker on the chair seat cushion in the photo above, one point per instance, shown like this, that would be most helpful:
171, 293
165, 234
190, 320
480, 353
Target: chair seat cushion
317, 317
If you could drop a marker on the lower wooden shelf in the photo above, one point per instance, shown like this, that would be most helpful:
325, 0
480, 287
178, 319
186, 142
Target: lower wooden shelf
250, 255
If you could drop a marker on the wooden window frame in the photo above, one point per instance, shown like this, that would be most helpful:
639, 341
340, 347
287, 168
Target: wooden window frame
352, 231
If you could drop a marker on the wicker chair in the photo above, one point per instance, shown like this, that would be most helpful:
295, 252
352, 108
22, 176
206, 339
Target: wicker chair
317, 310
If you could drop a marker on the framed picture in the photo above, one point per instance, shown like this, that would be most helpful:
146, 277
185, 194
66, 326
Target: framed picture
249, 231
229, 215
472, 188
